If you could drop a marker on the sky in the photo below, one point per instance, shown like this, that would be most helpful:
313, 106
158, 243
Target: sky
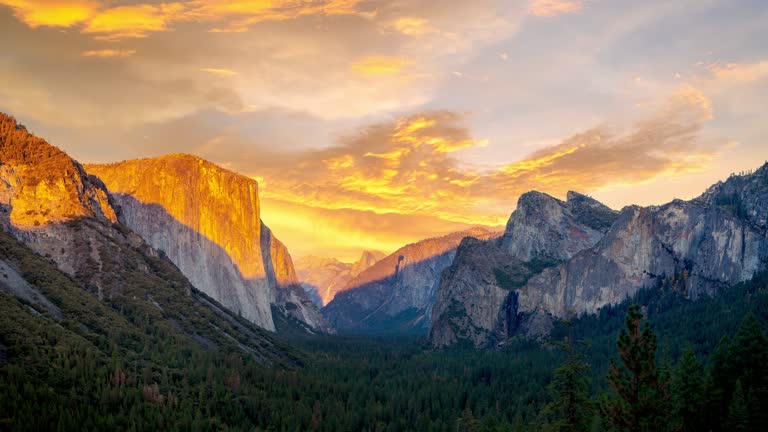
370, 124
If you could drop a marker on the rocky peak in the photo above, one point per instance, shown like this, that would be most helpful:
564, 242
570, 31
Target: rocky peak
367, 259
744, 195
41, 185
545, 227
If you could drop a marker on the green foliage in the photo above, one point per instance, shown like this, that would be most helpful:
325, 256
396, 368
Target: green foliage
688, 392
640, 397
738, 412
570, 409
126, 364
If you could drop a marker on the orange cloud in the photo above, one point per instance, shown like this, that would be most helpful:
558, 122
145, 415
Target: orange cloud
139, 20
109, 53
376, 66
740, 72
548, 8
134, 21
409, 166
413, 26
65, 13
220, 72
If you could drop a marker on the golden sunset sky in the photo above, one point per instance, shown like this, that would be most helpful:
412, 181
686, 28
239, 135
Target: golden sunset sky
371, 124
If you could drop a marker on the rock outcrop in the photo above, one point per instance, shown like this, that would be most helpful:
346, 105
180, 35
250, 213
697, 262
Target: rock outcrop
207, 221
322, 277
478, 300
398, 292
545, 227
699, 247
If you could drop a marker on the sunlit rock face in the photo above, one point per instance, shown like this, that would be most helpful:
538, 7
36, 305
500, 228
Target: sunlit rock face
397, 294
699, 247
322, 278
41, 185
49, 202
207, 220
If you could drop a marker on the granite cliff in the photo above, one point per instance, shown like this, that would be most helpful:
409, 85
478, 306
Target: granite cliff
207, 221
494, 290
397, 293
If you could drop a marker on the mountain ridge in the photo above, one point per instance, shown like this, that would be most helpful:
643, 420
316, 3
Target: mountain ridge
700, 246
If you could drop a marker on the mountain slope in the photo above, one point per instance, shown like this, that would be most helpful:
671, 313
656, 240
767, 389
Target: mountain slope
699, 247
397, 293
73, 230
207, 221
323, 277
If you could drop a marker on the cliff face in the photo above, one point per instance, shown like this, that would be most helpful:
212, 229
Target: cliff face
207, 221
398, 292
699, 247
322, 278
704, 249
290, 298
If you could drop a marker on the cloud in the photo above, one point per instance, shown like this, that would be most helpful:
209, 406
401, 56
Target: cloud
65, 13
220, 72
549, 8
109, 53
412, 26
376, 66
135, 21
139, 20
411, 165
740, 72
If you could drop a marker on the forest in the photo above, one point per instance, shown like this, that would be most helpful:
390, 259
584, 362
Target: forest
656, 362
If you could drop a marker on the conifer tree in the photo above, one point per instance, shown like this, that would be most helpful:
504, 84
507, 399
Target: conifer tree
738, 413
718, 386
687, 389
570, 409
640, 400
749, 357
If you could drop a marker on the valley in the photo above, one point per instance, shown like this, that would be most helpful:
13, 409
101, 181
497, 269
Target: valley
149, 295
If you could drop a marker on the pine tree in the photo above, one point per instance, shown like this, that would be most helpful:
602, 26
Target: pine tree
641, 401
467, 422
718, 386
738, 413
688, 392
749, 357
570, 409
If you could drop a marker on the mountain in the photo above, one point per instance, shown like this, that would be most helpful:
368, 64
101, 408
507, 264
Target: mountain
323, 277
207, 221
476, 299
397, 293
598, 257
70, 270
545, 227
